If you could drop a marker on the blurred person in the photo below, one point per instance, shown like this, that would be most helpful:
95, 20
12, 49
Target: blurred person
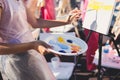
92, 45
48, 11
21, 57
63, 8
116, 14
116, 26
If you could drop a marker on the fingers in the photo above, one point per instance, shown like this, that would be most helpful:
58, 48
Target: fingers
73, 18
42, 50
76, 10
43, 44
74, 15
42, 47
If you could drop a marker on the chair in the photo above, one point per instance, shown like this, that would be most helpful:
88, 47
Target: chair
111, 61
64, 72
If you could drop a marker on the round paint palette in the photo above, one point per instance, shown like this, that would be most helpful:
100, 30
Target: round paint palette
66, 44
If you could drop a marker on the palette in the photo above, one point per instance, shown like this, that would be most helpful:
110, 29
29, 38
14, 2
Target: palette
66, 44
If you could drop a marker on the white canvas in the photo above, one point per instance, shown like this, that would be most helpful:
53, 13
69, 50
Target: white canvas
99, 15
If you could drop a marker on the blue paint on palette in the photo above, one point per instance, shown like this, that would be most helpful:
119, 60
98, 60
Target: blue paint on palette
52, 42
62, 51
62, 46
69, 41
58, 46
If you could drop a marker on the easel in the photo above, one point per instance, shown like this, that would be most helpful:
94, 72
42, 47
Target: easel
99, 76
95, 19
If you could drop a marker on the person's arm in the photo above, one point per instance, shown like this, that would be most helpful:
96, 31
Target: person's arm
14, 48
39, 46
6, 48
30, 10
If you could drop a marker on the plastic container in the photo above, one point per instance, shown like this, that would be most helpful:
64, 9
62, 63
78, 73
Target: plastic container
106, 50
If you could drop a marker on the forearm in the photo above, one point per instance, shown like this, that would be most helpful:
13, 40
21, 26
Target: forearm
15, 48
41, 23
50, 23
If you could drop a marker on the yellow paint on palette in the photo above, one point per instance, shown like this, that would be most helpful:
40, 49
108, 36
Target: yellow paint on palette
60, 39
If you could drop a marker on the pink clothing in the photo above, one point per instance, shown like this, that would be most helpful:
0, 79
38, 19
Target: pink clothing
14, 29
92, 47
92, 42
84, 4
48, 11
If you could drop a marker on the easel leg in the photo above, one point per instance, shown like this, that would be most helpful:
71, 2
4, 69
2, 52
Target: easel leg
100, 57
89, 34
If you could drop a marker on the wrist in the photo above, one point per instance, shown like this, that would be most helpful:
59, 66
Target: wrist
33, 45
